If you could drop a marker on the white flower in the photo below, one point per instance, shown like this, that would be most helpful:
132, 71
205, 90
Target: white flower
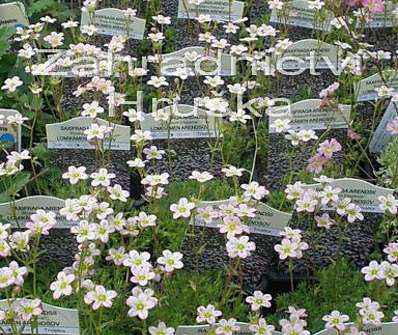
389, 272
392, 251
182, 209
280, 125
240, 247
135, 259
142, 276
100, 297
201, 177
153, 153
286, 249
291, 234
227, 327
6, 278
70, 24
239, 116
130, 13
262, 328
329, 194
162, 19
275, 4
369, 311
170, 260
62, 286
154, 180
41, 222
27, 309
335, 320
161, 329
306, 203
207, 314
315, 4
88, 29
17, 273
92, 109
254, 190
102, 178
158, 81
134, 115
156, 37
97, 132
353, 212
324, 221
232, 225
75, 174
213, 81
395, 318
54, 39
117, 256
237, 89
117, 193
140, 136
85, 231
294, 191
48, 19
136, 163
258, 300
144, 220
141, 302
11, 84
388, 203
232, 171
372, 271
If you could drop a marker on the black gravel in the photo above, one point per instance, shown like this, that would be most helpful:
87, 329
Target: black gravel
326, 246
188, 155
213, 255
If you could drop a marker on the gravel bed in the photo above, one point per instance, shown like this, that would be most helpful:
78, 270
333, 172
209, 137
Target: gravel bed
63, 158
324, 244
60, 247
215, 256
189, 155
278, 158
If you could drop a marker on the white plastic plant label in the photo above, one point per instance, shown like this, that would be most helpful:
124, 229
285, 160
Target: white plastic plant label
10, 133
70, 135
308, 114
381, 137
388, 328
268, 221
181, 121
219, 10
13, 15
309, 54
204, 329
113, 21
365, 90
361, 193
299, 14
198, 62
25, 207
53, 320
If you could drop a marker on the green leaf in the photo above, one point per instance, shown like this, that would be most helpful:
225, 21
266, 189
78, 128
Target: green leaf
18, 183
5, 45
40, 6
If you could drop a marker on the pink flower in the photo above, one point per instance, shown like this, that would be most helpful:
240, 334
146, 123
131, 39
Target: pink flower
328, 148
392, 126
374, 6
329, 91
352, 3
316, 163
353, 135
